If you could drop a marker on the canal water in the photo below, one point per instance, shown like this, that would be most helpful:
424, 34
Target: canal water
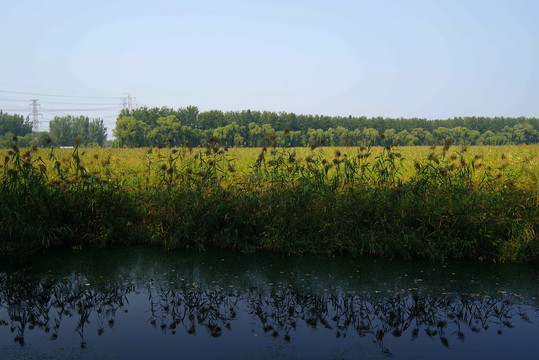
140, 303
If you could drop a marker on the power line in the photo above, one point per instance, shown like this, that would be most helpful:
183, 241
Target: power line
13, 99
61, 96
61, 105
117, 108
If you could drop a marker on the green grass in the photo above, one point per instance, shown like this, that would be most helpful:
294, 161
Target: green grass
411, 202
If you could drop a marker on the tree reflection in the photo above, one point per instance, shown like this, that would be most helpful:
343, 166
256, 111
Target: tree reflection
279, 313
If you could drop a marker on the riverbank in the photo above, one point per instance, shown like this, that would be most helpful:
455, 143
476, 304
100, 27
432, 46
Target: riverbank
356, 203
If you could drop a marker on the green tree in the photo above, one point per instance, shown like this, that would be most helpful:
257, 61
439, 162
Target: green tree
131, 132
97, 132
15, 124
61, 131
80, 126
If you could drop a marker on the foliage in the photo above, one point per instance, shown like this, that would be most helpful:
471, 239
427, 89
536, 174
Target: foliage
64, 130
151, 127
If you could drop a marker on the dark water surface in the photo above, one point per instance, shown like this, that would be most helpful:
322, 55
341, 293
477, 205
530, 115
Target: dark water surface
141, 303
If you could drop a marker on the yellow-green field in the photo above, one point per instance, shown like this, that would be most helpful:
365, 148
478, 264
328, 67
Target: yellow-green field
520, 162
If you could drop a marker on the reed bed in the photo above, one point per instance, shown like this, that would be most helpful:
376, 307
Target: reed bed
430, 202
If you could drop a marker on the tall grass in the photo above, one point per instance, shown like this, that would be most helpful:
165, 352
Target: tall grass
446, 204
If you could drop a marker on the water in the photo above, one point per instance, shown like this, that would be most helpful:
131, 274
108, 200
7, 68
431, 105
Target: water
139, 303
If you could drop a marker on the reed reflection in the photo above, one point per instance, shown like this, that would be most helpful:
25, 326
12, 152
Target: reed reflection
200, 308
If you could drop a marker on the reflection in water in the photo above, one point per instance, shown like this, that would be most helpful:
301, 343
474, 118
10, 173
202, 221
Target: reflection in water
182, 298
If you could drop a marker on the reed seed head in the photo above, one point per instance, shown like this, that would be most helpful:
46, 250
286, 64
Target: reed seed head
77, 140
291, 158
448, 143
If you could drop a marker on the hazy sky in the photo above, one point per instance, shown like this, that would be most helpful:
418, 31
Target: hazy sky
428, 59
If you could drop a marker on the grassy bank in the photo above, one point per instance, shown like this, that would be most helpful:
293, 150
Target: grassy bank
425, 202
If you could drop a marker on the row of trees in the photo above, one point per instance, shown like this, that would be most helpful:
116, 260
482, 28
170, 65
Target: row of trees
154, 126
191, 117
63, 130
15, 124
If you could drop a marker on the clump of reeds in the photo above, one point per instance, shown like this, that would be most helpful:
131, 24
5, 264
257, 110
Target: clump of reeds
353, 200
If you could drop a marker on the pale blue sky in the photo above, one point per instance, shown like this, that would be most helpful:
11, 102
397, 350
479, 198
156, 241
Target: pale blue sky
428, 59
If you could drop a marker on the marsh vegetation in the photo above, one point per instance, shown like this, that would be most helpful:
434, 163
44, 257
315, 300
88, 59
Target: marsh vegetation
428, 202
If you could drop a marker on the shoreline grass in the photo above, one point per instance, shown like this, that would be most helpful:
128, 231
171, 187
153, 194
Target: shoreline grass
436, 203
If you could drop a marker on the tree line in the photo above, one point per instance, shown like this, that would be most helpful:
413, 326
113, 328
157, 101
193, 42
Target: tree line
145, 126
160, 126
63, 130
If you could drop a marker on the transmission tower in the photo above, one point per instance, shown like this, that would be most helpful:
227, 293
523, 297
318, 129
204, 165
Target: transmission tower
34, 108
124, 103
129, 102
